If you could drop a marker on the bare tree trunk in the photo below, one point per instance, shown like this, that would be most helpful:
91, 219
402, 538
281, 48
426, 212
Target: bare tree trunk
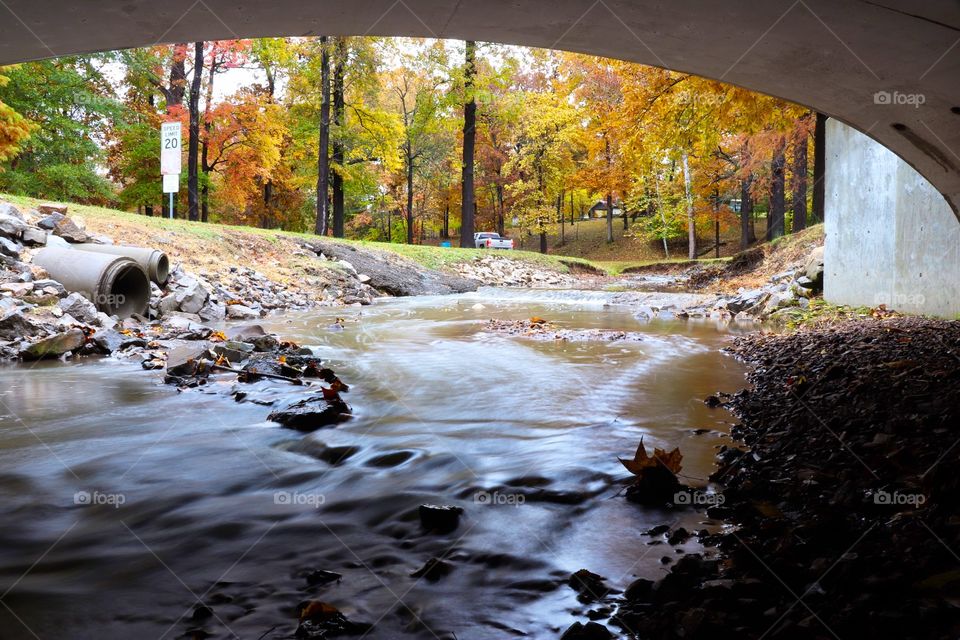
800, 185
819, 168
409, 194
716, 222
500, 210
609, 217
691, 220
746, 213
563, 219
469, 145
663, 219
193, 149
339, 107
323, 144
775, 216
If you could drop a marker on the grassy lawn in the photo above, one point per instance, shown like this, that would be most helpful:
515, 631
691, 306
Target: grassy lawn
106, 221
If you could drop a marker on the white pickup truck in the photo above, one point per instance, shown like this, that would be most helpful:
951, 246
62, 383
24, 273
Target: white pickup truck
487, 240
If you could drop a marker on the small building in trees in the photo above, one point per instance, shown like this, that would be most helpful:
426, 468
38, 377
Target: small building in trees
599, 210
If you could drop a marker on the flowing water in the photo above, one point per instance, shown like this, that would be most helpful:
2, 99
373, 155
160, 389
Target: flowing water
126, 503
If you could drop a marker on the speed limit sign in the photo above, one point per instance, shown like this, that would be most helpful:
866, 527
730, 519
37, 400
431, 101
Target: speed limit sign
170, 148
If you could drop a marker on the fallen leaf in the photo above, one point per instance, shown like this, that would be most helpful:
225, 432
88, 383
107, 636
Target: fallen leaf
671, 461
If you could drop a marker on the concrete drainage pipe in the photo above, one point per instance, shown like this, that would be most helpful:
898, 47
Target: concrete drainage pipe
117, 285
153, 261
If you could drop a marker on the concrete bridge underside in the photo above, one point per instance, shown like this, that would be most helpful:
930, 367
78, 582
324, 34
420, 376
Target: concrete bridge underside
864, 62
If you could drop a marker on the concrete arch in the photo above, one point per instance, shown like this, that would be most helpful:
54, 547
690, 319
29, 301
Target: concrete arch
889, 68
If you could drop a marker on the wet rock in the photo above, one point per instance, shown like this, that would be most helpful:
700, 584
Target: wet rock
588, 631
312, 413
183, 361
319, 621
656, 487
235, 352
388, 460
110, 341
254, 335
433, 570
55, 346
589, 586
439, 518
321, 577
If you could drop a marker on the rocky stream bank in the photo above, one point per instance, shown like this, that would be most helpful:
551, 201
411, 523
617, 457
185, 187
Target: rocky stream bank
841, 498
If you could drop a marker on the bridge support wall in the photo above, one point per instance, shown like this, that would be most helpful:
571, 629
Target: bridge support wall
891, 238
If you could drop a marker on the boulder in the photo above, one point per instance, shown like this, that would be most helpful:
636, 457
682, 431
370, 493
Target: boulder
213, 311
814, 269
192, 298
34, 237
11, 226
70, 231
14, 325
55, 346
51, 220
168, 303
7, 209
79, 307
241, 312
10, 248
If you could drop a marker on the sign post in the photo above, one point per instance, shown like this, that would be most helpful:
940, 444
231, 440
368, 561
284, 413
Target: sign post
170, 159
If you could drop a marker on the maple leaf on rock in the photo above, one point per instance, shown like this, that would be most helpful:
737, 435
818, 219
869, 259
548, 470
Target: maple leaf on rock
641, 460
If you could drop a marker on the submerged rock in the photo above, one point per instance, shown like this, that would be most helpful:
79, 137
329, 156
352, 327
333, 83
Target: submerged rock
440, 518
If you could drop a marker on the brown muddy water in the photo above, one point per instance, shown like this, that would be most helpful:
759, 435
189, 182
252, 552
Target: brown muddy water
125, 503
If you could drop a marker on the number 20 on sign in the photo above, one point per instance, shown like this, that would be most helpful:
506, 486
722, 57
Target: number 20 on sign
170, 148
